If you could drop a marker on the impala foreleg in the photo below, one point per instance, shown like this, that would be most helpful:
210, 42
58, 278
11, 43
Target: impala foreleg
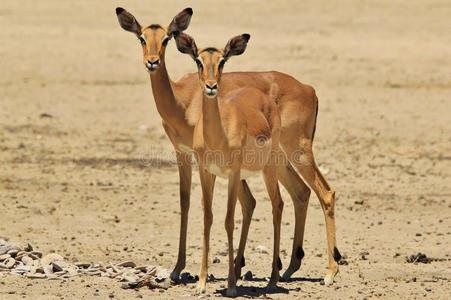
185, 172
207, 181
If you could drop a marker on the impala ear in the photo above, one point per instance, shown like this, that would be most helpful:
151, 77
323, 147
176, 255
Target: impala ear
128, 21
180, 22
186, 44
236, 45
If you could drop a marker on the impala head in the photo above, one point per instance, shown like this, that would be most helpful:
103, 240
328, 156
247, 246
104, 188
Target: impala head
210, 61
154, 38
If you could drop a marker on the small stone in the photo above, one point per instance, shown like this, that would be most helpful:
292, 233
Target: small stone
59, 265
10, 262
13, 252
82, 265
37, 253
49, 258
262, 249
4, 256
48, 269
248, 276
141, 268
22, 269
36, 276
28, 261
127, 264
28, 248
216, 260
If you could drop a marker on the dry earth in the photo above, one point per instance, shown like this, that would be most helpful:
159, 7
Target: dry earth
85, 167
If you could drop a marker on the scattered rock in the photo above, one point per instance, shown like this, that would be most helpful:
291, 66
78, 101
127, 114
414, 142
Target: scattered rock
45, 115
49, 258
4, 256
216, 260
36, 276
262, 249
418, 258
248, 276
10, 262
33, 264
28, 261
127, 264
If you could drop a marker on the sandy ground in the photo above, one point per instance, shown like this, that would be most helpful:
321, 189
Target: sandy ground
95, 181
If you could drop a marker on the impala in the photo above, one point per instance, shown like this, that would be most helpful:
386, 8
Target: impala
243, 127
179, 105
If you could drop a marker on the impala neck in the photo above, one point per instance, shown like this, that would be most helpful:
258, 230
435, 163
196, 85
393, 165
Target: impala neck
213, 130
168, 108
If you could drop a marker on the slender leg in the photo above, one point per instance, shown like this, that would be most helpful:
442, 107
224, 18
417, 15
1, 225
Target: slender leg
234, 181
272, 185
247, 202
184, 165
302, 158
300, 194
207, 181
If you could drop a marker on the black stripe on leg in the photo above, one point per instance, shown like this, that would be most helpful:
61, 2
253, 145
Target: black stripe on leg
279, 264
337, 255
300, 253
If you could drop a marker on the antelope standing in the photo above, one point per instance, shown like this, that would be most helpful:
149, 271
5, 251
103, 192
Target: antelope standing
243, 127
179, 105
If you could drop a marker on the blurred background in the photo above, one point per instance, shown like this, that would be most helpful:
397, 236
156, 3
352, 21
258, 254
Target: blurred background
78, 119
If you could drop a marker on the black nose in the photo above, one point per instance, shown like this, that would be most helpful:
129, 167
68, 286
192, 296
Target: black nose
155, 62
212, 87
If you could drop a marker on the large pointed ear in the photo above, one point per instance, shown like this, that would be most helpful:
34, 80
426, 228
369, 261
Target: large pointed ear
180, 21
128, 21
236, 45
186, 44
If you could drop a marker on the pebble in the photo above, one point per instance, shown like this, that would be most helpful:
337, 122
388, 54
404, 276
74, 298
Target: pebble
248, 276
59, 265
13, 252
4, 256
36, 276
262, 249
10, 262
49, 258
127, 264
28, 261
48, 269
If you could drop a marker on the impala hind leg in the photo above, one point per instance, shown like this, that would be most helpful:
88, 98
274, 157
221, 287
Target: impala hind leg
302, 158
272, 185
247, 202
185, 172
300, 194
207, 181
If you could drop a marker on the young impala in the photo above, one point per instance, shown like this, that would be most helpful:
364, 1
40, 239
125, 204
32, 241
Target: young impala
237, 135
179, 105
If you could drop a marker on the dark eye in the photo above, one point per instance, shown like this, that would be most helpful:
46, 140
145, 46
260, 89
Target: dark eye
221, 63
142, 40
165, 41
198, 63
